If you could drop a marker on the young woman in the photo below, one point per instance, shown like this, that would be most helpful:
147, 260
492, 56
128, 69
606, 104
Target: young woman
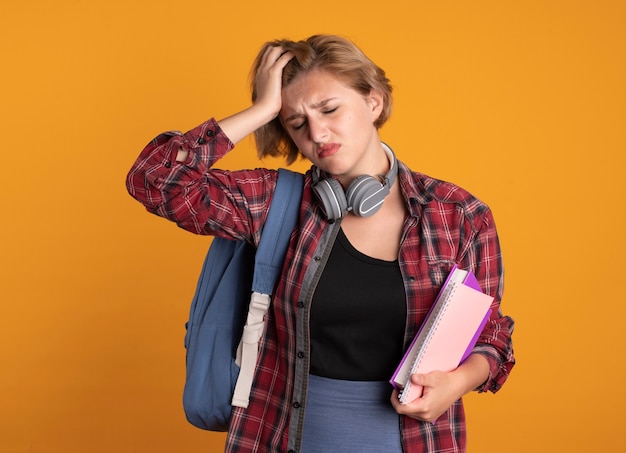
374, 244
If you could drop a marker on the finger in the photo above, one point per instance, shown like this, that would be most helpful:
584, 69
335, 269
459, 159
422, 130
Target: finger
397, 405
266, 57
432, 379
412, 410
395, 400
403, 408
284, 58
419, 379
272, 54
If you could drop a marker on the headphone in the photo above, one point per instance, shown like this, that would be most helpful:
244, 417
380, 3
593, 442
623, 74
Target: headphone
364, 196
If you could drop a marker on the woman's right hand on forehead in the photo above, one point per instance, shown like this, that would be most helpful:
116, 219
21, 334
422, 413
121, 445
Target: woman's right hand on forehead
268, 83
268, 79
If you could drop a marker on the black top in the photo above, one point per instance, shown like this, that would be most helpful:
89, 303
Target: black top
358, 316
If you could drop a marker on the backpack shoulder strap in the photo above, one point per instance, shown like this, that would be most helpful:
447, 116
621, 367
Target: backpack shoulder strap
270, 255
281, 220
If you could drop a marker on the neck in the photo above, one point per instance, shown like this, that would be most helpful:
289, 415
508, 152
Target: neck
378, 165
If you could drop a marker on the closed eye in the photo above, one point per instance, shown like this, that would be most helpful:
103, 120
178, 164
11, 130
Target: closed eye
303, 123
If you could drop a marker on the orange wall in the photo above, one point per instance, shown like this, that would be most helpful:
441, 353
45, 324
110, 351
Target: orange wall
523, 103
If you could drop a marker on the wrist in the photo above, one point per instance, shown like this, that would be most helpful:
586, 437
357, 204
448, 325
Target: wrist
264, 111
182, 155
472, 373
242, 124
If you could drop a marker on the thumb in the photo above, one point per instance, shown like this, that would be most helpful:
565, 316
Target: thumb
418, 379
425, 380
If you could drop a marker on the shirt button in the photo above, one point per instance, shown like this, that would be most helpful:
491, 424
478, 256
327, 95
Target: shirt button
296, 405
210, 133
168, 164
317, 258
300, 304
300, 355
201, 141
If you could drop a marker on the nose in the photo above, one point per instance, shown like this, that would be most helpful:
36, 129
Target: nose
318, 130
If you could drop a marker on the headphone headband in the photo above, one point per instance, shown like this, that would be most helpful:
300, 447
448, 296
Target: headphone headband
392, 174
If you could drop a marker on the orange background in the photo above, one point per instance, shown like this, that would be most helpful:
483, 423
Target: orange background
522, 103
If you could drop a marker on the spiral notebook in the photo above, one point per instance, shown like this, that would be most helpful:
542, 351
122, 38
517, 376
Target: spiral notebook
448, 334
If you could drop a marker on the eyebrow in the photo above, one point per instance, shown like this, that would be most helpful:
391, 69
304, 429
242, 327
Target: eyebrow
313, 106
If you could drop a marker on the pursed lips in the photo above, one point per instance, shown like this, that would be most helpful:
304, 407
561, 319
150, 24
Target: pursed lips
327, 150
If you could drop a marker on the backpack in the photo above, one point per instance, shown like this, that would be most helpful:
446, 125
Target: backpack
220, 367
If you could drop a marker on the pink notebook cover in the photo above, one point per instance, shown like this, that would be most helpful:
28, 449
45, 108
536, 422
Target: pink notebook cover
451, 334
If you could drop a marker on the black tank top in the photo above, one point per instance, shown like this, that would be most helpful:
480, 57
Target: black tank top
358, 316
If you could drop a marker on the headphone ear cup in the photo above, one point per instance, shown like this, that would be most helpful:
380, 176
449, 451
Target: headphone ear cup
365, 195
331, 197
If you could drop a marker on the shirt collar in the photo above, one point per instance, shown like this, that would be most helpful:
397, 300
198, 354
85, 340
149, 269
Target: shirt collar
413, 190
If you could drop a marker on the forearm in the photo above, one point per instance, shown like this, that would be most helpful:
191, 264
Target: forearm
472, 373
244, 123
238, 126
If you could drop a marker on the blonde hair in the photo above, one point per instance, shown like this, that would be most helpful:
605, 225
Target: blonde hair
330, 53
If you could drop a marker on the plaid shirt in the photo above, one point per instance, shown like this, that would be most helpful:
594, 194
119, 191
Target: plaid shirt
445, 225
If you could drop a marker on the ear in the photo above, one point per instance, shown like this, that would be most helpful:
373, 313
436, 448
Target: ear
375, 101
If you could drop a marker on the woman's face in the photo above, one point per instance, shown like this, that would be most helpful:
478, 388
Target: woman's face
332, 124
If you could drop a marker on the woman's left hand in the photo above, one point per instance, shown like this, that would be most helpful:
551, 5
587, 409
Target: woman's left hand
442, 389
439, 393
